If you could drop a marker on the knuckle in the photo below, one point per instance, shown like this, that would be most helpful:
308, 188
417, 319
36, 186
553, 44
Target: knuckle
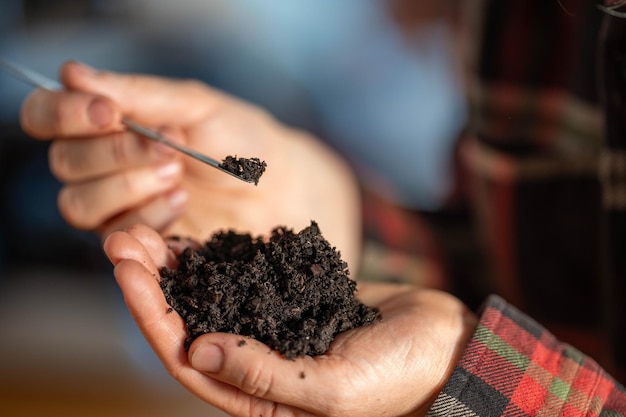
31, 116
193, 85
59, 163
129, 82
60, 114
129, 184
257, 381
201, 92
72, 209
133, 83
269, 409
120, 151
175, 372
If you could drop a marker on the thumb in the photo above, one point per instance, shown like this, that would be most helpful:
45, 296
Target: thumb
146, 99
255, 369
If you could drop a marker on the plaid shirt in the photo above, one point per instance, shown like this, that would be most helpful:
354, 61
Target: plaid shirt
532, 220
514, 367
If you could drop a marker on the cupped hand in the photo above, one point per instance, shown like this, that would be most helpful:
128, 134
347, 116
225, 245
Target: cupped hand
113, 178
392, 367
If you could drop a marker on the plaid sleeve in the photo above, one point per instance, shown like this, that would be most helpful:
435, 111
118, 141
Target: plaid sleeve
513, 366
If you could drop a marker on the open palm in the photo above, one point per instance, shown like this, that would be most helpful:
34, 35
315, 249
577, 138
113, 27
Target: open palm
395, 366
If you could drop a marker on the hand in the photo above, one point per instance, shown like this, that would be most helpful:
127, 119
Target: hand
113, 178
396, 366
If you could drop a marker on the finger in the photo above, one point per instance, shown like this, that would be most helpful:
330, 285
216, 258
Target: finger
137, 277
47, 114
79, 160
120, 246
146, 99
165, 333
157, 213
137, 256
178, 244
260, 372
153, 244
90, 204
133, 254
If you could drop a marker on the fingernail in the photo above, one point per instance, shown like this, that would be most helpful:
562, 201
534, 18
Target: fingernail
168, 171
100, 112
208, 358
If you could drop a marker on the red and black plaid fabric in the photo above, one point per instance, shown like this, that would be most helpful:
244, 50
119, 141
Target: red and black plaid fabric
540, 213
514, 367
612, 46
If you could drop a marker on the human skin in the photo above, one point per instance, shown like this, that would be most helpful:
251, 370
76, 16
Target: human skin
113, 178
392, 367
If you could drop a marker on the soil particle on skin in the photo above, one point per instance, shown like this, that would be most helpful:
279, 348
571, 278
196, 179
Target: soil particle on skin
249, 169
292, 291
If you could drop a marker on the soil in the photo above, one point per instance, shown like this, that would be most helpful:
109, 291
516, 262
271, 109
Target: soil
292, 291
249, 169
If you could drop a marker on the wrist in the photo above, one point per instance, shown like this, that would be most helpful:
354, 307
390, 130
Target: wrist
462, 324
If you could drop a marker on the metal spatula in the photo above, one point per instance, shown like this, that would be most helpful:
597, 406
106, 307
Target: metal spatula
41, 81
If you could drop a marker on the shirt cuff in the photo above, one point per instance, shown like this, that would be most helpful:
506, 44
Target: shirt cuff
513, 366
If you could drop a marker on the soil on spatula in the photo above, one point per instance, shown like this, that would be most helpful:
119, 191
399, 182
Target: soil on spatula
248, 169
291, 291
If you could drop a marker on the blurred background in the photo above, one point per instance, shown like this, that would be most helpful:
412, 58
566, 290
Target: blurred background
377, 80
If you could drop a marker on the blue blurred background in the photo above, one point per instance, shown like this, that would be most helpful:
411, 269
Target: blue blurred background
381, 88
377, 79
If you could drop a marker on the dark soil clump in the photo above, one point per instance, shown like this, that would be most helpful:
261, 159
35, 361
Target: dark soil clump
249, 169
292, 292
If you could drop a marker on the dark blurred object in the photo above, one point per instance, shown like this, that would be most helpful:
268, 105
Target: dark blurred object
40, 10
32, 232
612, 61
43, 11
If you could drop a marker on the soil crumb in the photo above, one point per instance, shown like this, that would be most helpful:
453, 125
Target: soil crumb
291, 291
249, 169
